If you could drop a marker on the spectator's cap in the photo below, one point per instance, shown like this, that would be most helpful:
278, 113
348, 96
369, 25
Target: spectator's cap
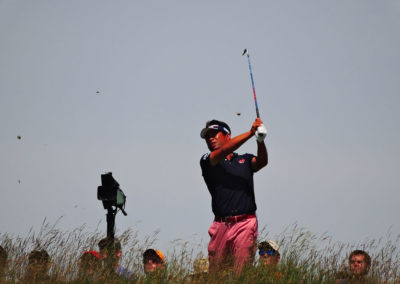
153, 255
215, 125
270, 244
93, 252
160, 254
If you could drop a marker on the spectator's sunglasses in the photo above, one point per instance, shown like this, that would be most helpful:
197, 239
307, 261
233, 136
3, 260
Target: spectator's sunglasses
269, 252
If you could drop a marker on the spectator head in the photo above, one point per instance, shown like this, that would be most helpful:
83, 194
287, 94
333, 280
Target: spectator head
153, 260
110, 250
89, 263
39, 262
359, 262
269, 253
3, 260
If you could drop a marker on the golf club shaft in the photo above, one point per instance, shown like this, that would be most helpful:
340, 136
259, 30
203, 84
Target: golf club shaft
252, 83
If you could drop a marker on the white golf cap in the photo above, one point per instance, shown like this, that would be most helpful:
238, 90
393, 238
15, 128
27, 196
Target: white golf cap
269, 243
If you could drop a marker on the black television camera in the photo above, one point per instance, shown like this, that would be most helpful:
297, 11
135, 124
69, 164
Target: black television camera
113, 198
110, 193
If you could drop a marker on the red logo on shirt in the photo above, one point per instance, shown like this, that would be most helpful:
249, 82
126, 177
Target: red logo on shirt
241, 161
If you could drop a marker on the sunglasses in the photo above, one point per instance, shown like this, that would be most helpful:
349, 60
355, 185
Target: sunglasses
268, 252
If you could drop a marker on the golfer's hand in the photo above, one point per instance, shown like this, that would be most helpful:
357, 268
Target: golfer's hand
261, 133
257, 123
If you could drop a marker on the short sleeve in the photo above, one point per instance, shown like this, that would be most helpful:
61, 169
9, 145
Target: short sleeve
205, 161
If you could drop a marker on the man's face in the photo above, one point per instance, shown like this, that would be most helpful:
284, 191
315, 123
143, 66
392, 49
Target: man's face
39, 266
215, 139
358, 265
151, 266
269, 259
89, 267
111, 257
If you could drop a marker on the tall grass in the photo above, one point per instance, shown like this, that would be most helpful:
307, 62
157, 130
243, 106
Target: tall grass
306, 257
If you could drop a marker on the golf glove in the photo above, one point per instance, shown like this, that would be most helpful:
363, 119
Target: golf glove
261, 133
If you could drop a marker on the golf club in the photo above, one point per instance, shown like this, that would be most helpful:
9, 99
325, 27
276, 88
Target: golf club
245, 52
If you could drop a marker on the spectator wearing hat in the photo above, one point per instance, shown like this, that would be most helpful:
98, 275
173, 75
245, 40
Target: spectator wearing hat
39, 263
229, 179
3, 263
110, 251
359, 265
89, 266
269, 258
153, 261
269, 253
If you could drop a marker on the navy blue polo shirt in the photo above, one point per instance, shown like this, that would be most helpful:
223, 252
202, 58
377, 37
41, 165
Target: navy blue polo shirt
230, 184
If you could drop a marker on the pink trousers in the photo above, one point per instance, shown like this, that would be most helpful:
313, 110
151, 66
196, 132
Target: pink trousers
232, 241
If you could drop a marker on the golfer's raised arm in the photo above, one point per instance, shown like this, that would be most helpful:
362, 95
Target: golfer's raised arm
233, 144
229, 147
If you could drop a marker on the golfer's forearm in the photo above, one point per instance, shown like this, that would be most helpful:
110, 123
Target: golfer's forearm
235, 143
229, 147
262, 155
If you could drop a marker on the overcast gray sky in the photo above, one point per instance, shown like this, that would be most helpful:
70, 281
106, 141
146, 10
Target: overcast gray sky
327, 81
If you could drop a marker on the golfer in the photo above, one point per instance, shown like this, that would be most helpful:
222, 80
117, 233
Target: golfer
229, 178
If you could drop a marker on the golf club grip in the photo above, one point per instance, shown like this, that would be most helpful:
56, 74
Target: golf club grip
257, 112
